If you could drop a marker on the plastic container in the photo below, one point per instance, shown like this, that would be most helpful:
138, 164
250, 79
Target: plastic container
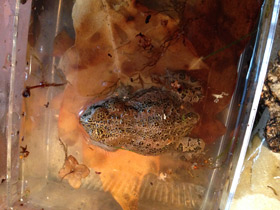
37, 130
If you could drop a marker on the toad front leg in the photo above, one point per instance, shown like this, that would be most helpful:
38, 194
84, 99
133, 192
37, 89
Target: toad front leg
191, 145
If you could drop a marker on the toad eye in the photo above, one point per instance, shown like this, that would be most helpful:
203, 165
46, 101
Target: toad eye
191, 115
182, 76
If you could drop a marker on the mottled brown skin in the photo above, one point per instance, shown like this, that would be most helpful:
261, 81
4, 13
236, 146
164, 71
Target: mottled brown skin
149, 122
271, 98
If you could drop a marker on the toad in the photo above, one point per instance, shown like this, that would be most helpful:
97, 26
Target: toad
149, 121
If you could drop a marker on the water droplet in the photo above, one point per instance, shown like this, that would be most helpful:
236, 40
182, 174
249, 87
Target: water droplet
26, 75
41, 48
9, 58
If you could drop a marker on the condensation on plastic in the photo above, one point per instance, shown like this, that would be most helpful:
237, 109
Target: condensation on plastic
13, 36
252, 92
